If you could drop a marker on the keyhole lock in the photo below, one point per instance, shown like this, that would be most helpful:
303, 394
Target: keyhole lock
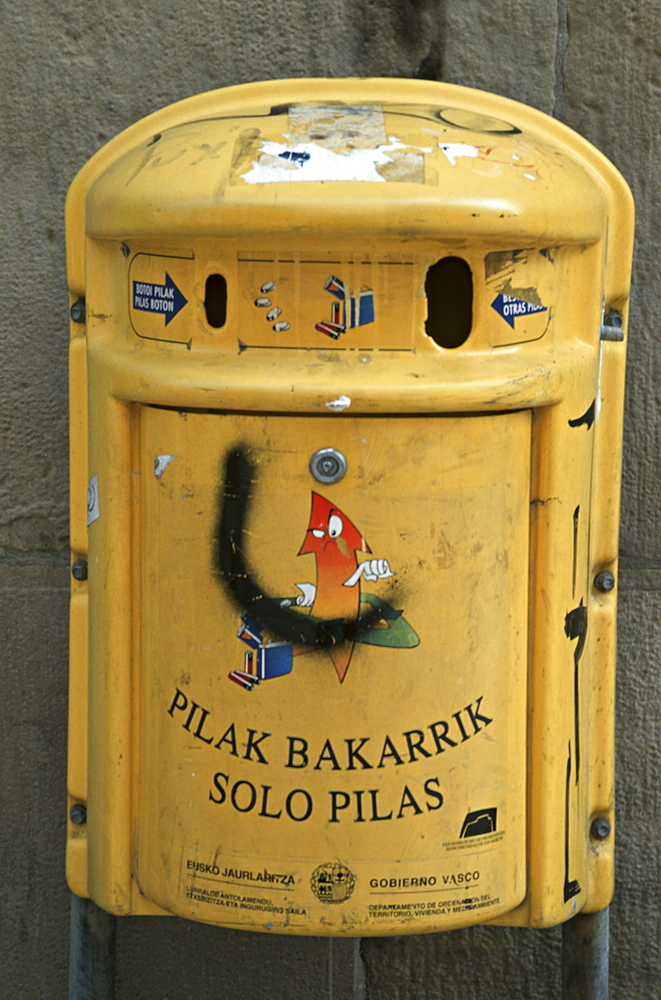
328, 465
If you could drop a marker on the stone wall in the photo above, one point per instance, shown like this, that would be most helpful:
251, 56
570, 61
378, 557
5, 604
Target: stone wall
74, 74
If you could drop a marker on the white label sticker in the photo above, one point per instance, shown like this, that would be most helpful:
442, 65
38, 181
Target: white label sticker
161, 463
93, 511
336, 143
309, 161
455, 150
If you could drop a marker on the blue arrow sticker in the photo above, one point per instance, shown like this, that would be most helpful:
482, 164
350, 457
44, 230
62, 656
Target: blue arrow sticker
165, 299
510, 307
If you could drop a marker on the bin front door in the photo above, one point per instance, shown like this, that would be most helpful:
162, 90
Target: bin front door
332, 675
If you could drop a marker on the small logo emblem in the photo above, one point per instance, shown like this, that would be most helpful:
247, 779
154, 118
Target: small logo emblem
332, 882
478, 823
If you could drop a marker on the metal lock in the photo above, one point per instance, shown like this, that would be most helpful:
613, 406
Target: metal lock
328, 465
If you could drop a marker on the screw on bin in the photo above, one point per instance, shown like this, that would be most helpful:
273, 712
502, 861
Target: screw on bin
79, 569
78, 311
600, 828
604, 581
78, 814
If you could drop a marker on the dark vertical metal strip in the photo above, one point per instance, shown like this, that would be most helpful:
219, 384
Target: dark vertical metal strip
585, 957
92, 952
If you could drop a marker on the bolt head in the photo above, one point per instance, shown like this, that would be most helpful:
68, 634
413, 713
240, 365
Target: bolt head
604, 581
77, 311
79, 569
613, 318
600, 828
78, 814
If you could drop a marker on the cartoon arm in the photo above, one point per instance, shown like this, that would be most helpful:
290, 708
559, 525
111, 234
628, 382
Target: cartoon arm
372, 569
306, 598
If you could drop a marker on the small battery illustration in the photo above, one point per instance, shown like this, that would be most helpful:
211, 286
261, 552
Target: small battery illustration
336, 287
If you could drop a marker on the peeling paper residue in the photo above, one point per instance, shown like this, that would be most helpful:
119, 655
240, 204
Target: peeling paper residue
161, 463
339, 404
310, 161
455, 150
345, 126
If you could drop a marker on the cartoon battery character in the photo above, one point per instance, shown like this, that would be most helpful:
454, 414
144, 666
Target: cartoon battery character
336, 595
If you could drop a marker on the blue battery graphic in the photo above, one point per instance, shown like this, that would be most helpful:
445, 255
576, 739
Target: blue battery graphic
336, 287
362, 307
275, 659
263, 660
351, 310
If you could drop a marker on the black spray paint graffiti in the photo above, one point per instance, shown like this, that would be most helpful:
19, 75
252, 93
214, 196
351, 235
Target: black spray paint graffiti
571, 887
577, 514
587, 419
576, 627
238, 580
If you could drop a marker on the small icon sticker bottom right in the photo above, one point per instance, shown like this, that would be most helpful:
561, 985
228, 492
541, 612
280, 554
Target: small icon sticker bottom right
478, 823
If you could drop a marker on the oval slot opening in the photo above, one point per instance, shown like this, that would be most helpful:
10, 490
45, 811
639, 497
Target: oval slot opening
215, 300
449, 291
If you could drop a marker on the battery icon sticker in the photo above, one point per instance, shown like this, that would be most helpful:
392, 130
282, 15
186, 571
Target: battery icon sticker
352, 309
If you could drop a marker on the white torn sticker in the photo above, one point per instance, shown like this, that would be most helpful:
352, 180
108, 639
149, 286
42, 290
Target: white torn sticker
455, 150
339, 404
93, 511
310, 161
161, 463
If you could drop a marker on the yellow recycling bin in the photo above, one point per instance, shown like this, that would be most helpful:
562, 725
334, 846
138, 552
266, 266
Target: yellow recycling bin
347, 365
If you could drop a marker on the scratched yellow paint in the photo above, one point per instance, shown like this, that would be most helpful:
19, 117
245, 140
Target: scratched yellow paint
254, 264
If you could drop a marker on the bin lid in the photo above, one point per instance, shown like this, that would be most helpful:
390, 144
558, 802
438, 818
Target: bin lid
407, 159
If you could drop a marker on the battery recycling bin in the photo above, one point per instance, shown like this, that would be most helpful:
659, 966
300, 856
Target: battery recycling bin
347, 366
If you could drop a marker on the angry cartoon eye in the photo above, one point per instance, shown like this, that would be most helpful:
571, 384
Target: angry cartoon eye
335, 525
318, 533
